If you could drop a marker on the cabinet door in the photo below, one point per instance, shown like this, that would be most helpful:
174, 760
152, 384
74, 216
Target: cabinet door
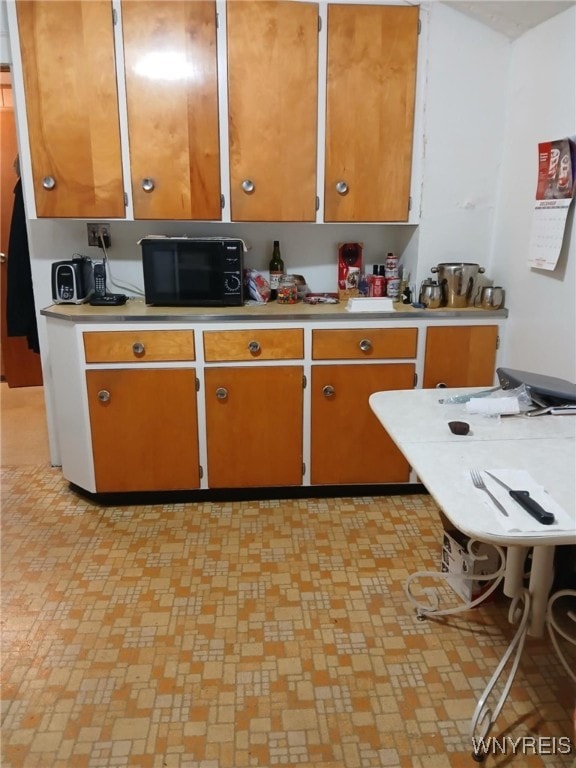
254, 426
371, 79
348, 443
172, 96
272, 92
72, 107
460, 356
144, 429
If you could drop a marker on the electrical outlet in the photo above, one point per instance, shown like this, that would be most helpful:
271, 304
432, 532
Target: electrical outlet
98, 233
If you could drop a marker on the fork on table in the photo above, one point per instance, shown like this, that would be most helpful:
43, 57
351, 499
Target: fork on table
479, 483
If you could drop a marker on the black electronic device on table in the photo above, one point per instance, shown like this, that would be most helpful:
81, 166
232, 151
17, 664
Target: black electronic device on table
109, 300
100, 298
545, 391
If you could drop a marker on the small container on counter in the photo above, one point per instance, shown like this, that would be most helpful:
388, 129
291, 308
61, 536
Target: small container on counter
364, 285
378, 285
287, 290
393, 288
392, 267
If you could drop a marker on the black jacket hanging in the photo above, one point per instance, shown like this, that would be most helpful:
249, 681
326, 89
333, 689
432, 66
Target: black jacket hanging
20, 309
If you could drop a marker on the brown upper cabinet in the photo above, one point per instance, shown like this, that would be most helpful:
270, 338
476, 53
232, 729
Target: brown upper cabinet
172, 87
273, 98
72, 107
172, 98
371, 81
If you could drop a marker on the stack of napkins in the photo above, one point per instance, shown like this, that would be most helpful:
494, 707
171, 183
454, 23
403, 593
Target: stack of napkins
493, 405
370, 304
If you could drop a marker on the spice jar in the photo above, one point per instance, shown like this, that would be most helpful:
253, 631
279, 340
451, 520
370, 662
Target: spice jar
287, 290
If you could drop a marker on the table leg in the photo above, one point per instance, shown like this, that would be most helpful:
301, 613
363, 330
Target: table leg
556, 630
541, 578
514, 579
485, 715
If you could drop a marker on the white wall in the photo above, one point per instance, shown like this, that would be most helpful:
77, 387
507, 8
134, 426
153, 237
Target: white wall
465, 107
541, 106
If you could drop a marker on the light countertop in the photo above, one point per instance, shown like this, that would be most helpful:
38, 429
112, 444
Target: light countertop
137, 310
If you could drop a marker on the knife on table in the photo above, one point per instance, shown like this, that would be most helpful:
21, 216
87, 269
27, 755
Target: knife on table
527, 502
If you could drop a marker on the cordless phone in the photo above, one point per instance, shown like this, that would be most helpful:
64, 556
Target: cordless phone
100, 279
100, 298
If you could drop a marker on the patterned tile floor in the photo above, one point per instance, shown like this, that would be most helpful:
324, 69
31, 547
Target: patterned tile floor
226, 635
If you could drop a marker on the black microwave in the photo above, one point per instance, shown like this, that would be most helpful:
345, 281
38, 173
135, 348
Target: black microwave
193, 272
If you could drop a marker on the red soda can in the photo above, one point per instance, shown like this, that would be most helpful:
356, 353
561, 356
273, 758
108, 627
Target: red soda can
378, 285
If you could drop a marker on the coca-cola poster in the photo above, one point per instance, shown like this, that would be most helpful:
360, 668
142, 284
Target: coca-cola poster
555, 170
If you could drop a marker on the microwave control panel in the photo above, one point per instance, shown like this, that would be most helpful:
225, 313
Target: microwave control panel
232, 272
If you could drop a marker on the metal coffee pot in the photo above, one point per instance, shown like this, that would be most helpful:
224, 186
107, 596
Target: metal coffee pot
490, 297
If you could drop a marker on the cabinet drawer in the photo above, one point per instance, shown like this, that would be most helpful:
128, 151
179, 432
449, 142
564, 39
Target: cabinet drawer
135, 346
362, 343
254, 345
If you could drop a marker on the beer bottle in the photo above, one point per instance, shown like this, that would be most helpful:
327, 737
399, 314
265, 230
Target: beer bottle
276, 270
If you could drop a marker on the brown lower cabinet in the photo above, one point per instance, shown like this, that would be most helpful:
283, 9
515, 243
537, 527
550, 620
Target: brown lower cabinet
144, 429
460, 356
242, 407
348, 443
254, 426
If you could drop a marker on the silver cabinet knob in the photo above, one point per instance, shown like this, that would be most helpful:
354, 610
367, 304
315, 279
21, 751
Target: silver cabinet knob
441, 385
104, 396
341, 187
48, 182
328, 391
248, 186
2, 258
253, 347
221, 393
138, 348
365, 345
147, 184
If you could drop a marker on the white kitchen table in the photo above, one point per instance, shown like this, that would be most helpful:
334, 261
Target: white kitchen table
542, 446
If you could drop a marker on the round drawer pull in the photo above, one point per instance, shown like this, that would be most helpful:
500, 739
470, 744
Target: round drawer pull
138, 348
104, 396
341, 187
248, 186
441, 385
253, 347
148, 184
328, 391
221, 393
48, 182
365, 345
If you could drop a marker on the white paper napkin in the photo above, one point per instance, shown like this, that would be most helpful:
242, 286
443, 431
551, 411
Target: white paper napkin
493, 405
519, 520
